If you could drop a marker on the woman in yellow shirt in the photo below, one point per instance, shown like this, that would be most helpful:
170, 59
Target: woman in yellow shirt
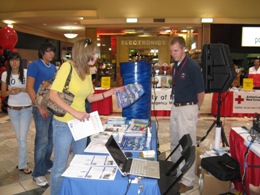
84, 55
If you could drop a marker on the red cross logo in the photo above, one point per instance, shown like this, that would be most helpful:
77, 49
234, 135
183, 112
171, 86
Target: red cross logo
239, 99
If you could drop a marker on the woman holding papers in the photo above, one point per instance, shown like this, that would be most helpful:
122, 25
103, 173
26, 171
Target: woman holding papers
84, 56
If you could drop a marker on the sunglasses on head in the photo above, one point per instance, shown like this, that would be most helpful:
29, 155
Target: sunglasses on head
87, 42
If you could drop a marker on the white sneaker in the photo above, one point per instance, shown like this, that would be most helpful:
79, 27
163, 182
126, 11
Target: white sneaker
40, 181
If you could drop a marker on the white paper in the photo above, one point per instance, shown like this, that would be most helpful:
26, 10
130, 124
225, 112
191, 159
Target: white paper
82, 160
97, 147
91, 167
84, 129
76, 171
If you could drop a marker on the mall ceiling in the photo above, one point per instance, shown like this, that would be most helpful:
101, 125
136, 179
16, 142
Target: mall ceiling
53, 18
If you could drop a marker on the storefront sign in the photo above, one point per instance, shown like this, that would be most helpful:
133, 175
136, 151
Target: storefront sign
136, 42
161, 99
246, 102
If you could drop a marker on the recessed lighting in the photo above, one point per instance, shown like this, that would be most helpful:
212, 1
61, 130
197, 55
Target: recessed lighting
206, 20
131, 20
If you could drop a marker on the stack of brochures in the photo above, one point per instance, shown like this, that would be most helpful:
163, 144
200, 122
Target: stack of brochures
116, 120
136, 135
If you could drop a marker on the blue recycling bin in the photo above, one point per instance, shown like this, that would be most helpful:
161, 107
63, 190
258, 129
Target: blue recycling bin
139, 72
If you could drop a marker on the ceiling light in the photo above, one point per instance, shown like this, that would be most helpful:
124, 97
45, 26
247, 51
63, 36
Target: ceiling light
206, 20
131, 20
70, 35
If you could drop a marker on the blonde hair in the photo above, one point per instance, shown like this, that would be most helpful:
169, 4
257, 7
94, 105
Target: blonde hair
83, 52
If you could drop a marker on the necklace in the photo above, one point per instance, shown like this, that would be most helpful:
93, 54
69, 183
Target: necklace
47, 65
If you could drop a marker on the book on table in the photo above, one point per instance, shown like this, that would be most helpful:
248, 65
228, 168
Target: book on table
131, 142
136, 129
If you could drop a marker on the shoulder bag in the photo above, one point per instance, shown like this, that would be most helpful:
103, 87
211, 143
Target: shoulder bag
42, 97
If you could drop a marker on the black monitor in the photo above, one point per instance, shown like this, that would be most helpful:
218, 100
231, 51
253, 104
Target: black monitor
218, 69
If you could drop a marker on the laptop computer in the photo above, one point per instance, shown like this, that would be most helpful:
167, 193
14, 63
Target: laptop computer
132, 166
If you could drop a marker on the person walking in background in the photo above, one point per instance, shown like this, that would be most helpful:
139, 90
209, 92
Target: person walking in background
188, 94
84, 55
19, 105
38, 71
255, 69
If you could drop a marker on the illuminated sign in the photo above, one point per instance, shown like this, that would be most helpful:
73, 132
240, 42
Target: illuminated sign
250, 37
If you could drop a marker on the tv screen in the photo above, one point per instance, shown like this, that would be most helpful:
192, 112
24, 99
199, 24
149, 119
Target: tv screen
218, 69
250, 37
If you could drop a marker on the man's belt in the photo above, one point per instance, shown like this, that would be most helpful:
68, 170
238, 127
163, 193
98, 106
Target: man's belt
185, 104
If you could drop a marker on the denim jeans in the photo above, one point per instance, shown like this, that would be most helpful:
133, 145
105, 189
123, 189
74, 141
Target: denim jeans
21, 120
62, 140
43, 144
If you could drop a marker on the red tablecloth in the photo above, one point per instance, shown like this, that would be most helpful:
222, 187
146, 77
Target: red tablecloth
238, 150
160, 113
226, 108
105, 106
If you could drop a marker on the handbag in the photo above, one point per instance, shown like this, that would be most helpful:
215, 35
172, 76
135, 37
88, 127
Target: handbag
42, 97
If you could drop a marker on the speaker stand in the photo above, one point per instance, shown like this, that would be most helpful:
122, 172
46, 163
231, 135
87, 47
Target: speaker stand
218, 124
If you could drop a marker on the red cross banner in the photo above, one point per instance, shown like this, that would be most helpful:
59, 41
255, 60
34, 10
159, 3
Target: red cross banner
246, 102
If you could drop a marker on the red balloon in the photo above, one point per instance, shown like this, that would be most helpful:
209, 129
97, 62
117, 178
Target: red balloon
8, 37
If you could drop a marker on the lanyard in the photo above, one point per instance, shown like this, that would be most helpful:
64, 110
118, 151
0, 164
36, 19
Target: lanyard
179, 72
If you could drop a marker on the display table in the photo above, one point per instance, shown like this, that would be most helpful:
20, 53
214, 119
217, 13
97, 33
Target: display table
239, 140
105, 106
227, 103
71, 186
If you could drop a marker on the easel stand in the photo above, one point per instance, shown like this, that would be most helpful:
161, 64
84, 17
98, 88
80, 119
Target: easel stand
218, 123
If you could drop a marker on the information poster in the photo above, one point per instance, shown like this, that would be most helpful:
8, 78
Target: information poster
105, 82
161, 99
246, 102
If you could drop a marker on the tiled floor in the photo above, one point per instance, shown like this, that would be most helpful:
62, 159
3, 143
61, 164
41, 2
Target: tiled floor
13, 181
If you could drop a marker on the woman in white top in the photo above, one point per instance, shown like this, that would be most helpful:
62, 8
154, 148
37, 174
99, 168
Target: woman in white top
19, 105
255, 69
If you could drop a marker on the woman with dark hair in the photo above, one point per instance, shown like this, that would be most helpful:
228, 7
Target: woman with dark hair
19, 105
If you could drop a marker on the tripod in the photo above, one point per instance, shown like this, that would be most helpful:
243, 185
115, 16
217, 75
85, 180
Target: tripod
218, 123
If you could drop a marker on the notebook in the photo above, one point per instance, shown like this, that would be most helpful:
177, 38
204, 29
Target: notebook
132, 166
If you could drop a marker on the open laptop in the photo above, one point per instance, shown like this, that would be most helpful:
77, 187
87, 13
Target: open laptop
132, 166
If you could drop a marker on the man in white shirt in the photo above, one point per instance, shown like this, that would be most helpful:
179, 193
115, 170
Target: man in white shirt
255, 69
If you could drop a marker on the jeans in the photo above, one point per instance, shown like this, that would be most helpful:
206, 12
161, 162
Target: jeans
21, 120
43, 144
62, 140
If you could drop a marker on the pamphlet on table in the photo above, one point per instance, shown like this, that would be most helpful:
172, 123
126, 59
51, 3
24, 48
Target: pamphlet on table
91, 167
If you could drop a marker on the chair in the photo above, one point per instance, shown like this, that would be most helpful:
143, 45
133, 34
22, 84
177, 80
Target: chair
169, 179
